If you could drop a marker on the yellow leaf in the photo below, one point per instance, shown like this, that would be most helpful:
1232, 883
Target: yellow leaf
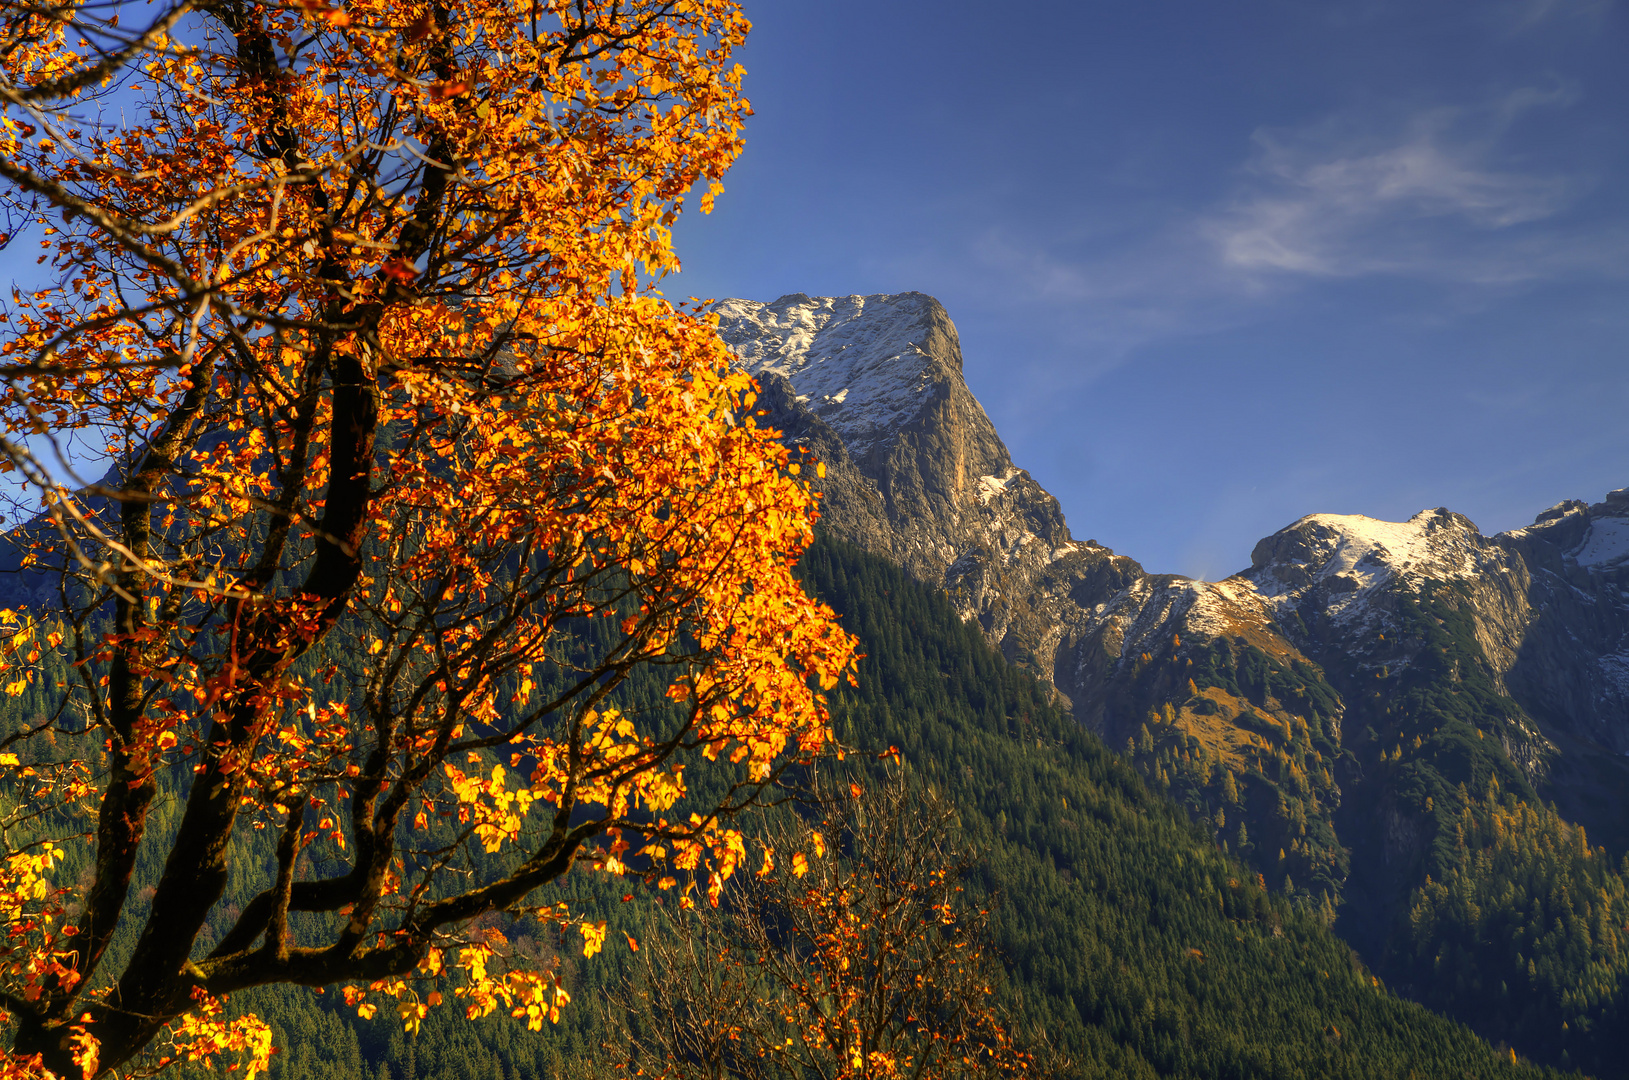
593, 937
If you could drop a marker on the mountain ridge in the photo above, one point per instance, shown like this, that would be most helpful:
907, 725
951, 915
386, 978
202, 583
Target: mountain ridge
1358, 713
998, 542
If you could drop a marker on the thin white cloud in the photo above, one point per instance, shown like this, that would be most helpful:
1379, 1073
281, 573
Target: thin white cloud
1441, 197
1431, 200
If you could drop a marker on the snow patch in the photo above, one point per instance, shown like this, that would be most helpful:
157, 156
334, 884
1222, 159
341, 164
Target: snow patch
992, 486
1155, 606
1352, 558
1220, 607
1371, 550
1365, 552
854, 360
1606, 543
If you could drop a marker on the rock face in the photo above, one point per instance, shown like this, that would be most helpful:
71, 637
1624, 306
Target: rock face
1570, 669
1349, 645
879, 377
872, 386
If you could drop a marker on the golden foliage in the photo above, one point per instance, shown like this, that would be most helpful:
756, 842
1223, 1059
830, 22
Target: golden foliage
406, 470
867, 961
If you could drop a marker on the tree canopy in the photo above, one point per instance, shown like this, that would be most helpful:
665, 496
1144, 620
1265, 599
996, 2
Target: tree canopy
399, 468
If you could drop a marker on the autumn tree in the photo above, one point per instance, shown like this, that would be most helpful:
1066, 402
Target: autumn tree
850, 952
365, 468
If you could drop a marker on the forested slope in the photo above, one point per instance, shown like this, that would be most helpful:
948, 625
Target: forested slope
1134, 943
1138, 946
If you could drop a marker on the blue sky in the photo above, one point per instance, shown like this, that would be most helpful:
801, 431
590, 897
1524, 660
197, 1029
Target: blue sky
1216, 266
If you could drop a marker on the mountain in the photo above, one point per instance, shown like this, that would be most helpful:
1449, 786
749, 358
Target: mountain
916, 471
1549, 605
872, 386
1139, 948
1365, 714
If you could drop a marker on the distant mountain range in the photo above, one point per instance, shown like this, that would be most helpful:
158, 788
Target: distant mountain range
1344, 712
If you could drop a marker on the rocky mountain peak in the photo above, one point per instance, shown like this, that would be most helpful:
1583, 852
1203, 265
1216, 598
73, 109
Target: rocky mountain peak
1562, 510
1604, 545
866, 365
1340, 562
872, 385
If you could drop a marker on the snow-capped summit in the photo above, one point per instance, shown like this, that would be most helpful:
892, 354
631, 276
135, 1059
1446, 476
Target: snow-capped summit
1347, 556
866, 365
873, 385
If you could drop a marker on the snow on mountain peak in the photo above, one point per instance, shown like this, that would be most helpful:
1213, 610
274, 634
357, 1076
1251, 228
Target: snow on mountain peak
857, 362
1431, 543
1350, 555
990, 487
1224, 608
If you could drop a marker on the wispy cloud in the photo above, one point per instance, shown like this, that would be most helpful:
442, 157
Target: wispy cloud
1458, 199
1438, 196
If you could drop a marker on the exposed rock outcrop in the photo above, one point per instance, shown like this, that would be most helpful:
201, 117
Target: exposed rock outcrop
872, 385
